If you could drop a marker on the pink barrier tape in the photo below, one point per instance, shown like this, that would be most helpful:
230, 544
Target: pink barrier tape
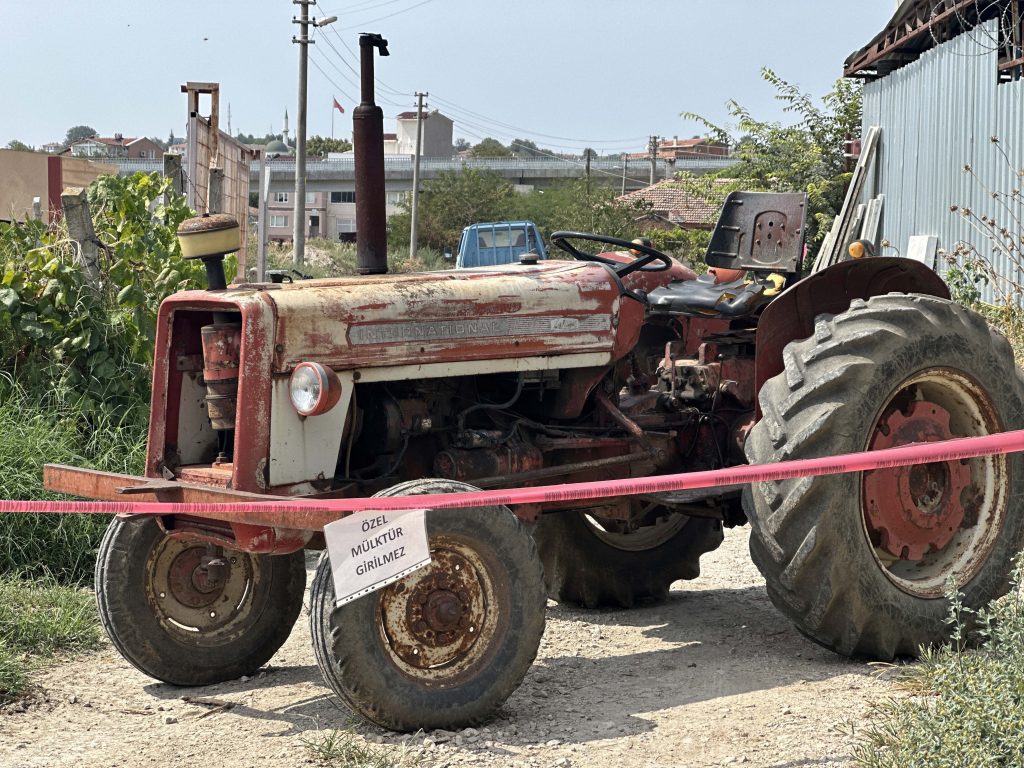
888, 458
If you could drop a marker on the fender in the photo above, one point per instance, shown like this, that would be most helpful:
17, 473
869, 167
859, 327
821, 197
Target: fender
791, 316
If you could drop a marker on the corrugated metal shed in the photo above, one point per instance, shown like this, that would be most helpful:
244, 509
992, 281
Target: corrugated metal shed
938, 115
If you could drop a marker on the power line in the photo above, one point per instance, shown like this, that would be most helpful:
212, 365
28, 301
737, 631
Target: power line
330, 80
390, 15
352, 9
536, 133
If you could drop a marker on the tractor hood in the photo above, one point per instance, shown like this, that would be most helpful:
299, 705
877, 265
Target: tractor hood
552, 308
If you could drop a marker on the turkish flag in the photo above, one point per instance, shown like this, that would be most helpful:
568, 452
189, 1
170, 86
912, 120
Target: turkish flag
338, 107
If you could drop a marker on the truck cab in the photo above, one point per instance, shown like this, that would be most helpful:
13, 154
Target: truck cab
498, 242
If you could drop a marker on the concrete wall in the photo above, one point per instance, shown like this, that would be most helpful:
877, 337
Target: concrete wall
26, 175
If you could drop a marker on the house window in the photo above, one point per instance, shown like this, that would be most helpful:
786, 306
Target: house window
310, 198
343, 197
280, 197
279, 221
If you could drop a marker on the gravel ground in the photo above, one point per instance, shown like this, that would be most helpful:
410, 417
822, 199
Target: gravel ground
715, 676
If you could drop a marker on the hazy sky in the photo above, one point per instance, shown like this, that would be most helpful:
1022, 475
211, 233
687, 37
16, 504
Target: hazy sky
564, 73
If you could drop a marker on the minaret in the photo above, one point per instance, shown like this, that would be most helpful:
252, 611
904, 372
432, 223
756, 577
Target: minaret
284, 132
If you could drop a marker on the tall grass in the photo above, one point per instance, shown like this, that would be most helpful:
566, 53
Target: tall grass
48, 429
37, 620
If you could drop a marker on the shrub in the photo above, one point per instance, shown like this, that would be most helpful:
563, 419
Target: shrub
964, 708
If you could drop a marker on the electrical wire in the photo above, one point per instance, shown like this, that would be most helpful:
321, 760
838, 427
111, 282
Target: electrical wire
388, 16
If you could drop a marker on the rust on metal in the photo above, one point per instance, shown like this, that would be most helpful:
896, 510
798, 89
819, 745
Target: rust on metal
439, 622
368, 141
917, 509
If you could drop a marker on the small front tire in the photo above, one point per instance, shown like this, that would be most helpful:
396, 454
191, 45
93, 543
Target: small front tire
182, 622
448, 644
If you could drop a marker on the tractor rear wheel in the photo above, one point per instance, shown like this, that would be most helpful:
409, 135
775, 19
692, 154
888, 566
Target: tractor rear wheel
189, 614
591, 563
445, 646
861, 561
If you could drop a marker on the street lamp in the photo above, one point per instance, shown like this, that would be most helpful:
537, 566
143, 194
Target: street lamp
303, 41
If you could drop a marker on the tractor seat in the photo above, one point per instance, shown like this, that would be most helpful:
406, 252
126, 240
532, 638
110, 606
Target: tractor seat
704, 297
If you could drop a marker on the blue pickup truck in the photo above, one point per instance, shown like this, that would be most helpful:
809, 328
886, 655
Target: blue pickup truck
498, 242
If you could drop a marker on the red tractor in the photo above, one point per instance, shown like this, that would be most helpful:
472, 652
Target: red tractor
612, 365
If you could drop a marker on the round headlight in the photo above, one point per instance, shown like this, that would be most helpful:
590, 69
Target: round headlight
313, 389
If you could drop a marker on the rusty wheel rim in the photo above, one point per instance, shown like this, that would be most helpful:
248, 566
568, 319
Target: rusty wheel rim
929, 523
655, 531
438, 623
193, 595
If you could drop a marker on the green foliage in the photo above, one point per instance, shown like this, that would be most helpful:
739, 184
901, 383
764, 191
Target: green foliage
526, 148
804, 157
77, 133
490, 148
321, 145
40, 618
19, 146
450, 203
580, 205
39, 428
59, 333
964, 708
456, 200
345, 748
330, 258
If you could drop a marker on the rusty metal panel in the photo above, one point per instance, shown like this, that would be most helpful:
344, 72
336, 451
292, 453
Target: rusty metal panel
938, 116
449, 317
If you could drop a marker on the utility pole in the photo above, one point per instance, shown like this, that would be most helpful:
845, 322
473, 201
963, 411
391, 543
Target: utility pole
652, 148
625, 167
303, 41
416, 175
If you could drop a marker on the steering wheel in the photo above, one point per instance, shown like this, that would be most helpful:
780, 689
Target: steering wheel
639, 264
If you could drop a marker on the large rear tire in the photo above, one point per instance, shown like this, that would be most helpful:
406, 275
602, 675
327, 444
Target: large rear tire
591, 564
861, 561
448, 644
176, 618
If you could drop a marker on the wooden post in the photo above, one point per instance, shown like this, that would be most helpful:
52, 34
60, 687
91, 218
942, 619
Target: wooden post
174, 171
216, 195
79, 222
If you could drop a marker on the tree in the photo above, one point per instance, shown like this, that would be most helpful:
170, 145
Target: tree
20, 146
580, 206
450, 203
79, 132
526, 148
490, 148
805, 157
321, 145
461, 145
170, 138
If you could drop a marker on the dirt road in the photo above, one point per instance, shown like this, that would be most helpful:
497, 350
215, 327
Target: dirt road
715, 676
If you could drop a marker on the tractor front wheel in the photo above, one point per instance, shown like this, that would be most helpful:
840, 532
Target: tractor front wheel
188, 613
445, 646
861, 561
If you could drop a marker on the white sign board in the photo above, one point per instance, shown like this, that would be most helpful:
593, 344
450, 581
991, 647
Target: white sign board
369, 550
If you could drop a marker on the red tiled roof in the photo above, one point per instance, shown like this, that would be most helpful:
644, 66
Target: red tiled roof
693, 203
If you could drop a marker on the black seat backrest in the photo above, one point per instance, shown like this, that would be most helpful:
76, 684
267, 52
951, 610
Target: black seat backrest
762, 231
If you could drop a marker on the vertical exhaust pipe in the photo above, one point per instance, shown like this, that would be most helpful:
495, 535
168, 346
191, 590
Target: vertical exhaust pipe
368, 137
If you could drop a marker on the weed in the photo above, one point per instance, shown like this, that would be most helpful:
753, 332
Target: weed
345, 748
38, 619
962, 708
39, 429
